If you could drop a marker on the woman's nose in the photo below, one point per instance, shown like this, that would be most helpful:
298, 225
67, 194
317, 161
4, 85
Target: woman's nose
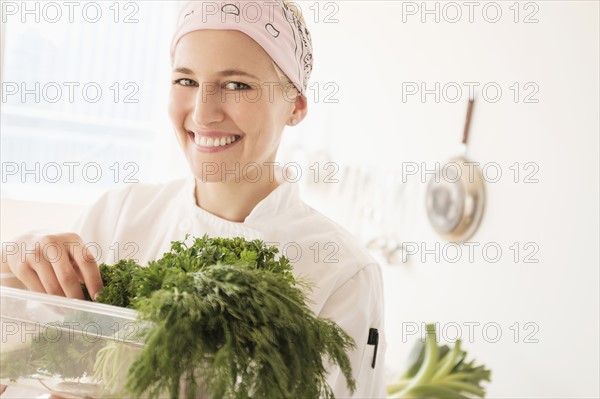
208, 107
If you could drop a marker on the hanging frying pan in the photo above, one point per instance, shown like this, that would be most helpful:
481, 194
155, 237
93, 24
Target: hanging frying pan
456, 195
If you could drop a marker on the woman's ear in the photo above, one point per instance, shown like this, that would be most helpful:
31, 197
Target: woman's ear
300, 110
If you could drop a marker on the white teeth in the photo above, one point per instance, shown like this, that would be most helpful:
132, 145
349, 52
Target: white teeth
204, 141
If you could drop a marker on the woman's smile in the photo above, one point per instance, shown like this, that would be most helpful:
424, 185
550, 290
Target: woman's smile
213, 141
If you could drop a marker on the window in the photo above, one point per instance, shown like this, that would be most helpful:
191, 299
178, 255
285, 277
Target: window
84, 97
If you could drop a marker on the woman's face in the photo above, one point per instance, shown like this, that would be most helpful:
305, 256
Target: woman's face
227, 106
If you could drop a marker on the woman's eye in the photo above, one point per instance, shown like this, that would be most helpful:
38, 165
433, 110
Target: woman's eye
184, 82
237, 86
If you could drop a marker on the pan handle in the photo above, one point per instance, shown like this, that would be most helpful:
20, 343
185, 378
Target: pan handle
468, 122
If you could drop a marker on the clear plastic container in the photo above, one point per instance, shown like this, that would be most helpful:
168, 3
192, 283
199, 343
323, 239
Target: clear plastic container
69, 347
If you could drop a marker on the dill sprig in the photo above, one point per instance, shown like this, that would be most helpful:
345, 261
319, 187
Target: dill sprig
228, 315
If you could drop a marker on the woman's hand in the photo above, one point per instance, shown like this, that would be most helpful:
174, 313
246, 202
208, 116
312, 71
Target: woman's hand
54, 263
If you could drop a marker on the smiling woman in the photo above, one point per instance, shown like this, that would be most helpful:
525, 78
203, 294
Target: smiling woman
207, 110
237, 82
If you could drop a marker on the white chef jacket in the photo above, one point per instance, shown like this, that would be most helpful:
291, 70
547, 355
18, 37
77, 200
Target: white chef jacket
139, 221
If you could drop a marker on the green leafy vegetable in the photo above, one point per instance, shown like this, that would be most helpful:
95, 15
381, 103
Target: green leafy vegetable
225, 314
439, 372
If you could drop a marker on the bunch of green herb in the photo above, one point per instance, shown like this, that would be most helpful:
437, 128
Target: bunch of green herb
229, 315
439, 372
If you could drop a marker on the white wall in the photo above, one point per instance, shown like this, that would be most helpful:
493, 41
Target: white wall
369, 54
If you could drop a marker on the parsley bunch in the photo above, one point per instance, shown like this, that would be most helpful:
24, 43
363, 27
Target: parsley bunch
229, 316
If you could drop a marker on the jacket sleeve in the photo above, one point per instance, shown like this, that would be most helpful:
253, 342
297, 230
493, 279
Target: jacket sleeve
357, 306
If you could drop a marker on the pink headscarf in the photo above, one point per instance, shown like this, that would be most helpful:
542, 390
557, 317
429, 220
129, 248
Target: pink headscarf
268, 22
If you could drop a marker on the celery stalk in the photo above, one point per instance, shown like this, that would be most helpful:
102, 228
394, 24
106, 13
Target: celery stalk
449, 363
429, 365
439, 372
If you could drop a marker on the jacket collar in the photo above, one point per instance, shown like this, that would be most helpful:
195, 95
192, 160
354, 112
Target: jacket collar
283, 199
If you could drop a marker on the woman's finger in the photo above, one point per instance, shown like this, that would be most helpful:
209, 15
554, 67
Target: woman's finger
29, 278
69, 282
59, 257
89, 270
47, 276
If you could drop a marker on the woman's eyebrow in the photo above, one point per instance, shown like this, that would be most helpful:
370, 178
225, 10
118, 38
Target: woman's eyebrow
224, 73
184, 70
232, 72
